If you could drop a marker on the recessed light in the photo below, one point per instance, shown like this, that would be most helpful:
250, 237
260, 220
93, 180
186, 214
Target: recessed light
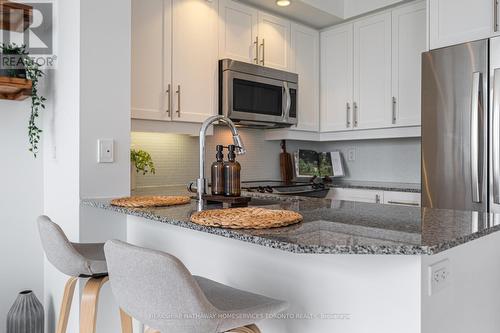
283, 3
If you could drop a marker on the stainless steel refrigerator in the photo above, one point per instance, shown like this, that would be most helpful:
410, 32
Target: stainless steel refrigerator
461, 127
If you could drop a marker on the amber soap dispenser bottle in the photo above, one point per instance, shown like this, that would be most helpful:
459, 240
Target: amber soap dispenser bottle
232, 171
218, 172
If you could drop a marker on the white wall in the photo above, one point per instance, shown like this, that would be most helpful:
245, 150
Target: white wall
390, 160
20, 204
91, 101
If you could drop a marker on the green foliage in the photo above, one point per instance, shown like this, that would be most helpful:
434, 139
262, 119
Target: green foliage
33, 73
308, 168
142, 161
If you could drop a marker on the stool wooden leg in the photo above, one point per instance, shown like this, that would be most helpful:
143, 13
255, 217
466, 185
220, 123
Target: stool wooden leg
69, 290
126, 321
88, 307
253, 328
246, 329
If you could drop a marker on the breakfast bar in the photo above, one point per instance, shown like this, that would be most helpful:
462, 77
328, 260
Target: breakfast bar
348, 267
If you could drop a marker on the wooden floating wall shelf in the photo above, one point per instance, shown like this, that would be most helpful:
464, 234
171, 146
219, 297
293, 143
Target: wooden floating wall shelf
15, 16
14, 88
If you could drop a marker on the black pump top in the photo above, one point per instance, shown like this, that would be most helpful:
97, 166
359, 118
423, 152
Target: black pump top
231, 155
220, 155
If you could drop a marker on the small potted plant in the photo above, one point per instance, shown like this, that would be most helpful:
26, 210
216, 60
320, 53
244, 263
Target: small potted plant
141, 161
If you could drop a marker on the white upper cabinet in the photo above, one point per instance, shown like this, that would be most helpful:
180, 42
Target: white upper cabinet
150, 64
174, 59
253, 36
458, 21
274, 41
305, 62
408, 42
238, 31
372, 72
336, 79
194, 60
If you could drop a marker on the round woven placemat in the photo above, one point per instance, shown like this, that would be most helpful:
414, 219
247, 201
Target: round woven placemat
246, 218
151, 201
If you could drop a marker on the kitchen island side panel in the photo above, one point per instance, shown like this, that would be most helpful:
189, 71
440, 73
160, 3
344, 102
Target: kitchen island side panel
358, 293
471, 301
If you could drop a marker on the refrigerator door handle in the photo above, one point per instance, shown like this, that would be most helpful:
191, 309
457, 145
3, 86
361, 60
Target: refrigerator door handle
475, 137
496, 136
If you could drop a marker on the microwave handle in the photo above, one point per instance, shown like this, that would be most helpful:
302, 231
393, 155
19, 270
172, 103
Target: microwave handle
288, 100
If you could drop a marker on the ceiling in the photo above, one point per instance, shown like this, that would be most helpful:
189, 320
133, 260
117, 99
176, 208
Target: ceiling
299, 11
323, 13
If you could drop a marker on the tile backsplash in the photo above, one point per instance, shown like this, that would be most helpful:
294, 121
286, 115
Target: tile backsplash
176, 157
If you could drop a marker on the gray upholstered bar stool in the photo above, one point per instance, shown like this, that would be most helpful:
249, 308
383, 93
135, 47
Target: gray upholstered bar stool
157, 289
77, 261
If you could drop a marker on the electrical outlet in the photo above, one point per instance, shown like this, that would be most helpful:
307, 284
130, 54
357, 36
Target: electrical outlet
105, 148
439, 276
351, 154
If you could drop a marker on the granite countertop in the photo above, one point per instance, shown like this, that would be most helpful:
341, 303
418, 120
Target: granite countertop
336, 227
383, 186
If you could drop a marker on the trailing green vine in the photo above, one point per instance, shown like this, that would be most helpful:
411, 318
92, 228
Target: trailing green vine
33, 73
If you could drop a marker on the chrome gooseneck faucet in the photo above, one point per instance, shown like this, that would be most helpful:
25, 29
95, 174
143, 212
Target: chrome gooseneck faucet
201, 183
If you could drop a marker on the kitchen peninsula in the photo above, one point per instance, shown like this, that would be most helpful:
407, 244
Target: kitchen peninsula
349, 267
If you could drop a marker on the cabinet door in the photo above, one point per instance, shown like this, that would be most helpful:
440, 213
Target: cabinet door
194, 60
349, 194
274, 41
305, 62
238, 25
151, 45
372, 72
458, 21
408, 43
402, 198
336, 79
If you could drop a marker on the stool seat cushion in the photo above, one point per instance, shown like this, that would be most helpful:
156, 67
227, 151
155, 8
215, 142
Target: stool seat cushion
238, 308
72, 259
94, 257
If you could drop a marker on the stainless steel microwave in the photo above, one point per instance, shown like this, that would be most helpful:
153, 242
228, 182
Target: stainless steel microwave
257, 96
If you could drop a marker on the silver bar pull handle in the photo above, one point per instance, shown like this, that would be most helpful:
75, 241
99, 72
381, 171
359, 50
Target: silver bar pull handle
288, 98
256, 43
348, 115
355, 105
263, 52
475, 155
178, 92
403, 203
394, 110
496, 136
495, 16
169, 101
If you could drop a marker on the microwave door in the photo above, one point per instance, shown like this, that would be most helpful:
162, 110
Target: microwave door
253, 98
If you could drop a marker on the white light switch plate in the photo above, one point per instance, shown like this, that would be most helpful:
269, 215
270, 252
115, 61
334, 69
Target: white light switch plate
105, 151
